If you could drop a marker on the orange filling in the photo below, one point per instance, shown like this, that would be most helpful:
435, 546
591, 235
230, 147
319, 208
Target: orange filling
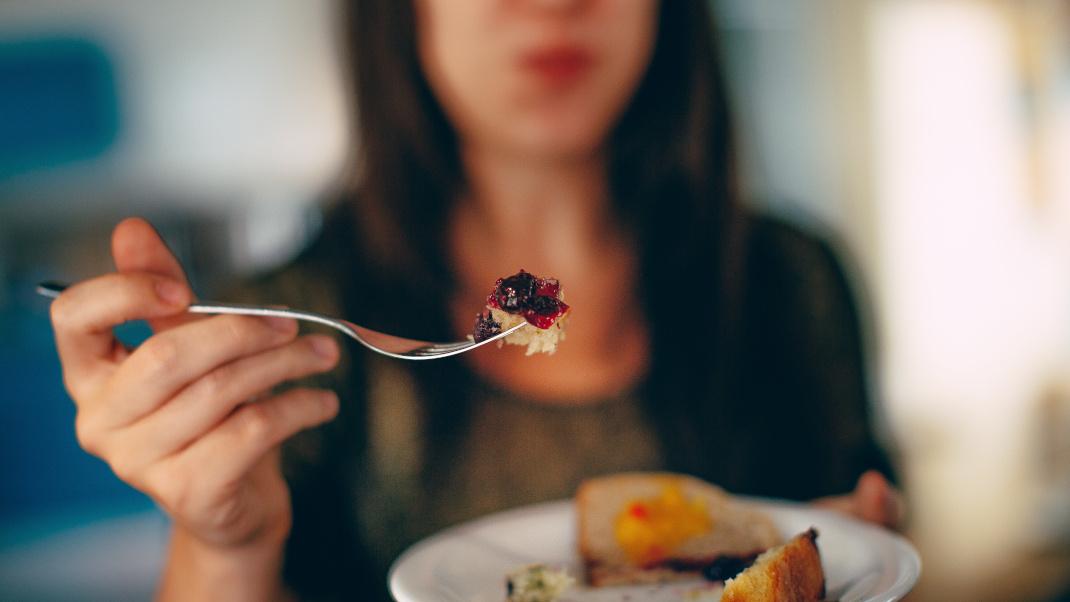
650, 529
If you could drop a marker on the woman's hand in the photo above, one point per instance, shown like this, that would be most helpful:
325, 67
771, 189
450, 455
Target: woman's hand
873, 500
172, 418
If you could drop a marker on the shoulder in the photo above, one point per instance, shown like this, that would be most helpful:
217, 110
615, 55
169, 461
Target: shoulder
775, 245
794, 262
795, 284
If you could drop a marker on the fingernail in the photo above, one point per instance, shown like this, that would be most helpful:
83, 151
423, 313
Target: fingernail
170, 292
285, 325
324, 347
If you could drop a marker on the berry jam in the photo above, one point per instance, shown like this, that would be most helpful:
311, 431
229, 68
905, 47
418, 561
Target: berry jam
486, 327
542, 311
534, 298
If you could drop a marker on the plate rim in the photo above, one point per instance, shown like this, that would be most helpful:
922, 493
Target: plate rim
910, 560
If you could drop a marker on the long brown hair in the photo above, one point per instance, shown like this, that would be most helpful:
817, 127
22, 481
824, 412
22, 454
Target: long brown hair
671, 180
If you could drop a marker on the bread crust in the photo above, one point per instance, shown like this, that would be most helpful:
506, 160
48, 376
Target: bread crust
789, 573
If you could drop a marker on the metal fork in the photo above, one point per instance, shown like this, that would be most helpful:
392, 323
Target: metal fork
389, 345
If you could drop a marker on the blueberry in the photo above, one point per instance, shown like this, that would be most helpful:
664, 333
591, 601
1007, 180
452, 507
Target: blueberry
513, 293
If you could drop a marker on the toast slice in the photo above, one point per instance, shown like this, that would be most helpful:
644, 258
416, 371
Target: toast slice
653, 527
788, 573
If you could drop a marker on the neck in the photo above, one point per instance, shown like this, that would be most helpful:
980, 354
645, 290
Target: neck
546, 200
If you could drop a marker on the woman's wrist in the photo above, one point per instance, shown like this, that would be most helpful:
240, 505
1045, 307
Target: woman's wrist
197, 570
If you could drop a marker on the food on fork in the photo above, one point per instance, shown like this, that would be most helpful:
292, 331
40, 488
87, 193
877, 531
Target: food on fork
789, 573
536, 583
525, 297
653, 527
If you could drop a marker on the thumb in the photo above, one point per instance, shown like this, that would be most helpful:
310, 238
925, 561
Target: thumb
137, 247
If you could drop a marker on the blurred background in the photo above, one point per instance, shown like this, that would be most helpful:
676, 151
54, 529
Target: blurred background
929, 140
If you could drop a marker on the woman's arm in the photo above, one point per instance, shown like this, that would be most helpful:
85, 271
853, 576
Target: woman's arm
808, 372
836, 370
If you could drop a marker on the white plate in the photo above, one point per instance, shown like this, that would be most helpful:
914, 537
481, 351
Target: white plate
468, 563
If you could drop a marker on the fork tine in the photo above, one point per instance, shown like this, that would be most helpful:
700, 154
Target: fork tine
446, 349
449, 346
435, 350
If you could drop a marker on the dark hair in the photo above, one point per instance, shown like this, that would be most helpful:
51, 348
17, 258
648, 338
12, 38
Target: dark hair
671, 176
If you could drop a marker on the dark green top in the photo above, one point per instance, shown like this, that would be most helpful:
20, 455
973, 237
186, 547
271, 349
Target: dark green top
374, 481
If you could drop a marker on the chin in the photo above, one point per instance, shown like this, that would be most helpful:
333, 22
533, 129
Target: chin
561, 139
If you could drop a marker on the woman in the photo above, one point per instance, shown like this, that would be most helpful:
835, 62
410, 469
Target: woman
587, 140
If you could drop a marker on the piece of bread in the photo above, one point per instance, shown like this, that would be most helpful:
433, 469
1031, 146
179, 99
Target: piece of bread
788, 573
537, 340
654, 527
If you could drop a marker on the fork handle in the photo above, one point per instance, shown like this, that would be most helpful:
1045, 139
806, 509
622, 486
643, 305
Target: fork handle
53, 289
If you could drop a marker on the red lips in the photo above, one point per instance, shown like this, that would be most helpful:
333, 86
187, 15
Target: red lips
557, 65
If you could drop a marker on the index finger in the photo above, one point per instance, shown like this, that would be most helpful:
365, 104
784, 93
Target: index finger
83, 316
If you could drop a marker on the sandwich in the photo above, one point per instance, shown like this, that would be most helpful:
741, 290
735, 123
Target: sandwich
638, 528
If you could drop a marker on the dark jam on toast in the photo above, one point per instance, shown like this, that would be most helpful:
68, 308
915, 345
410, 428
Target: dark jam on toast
536, 299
